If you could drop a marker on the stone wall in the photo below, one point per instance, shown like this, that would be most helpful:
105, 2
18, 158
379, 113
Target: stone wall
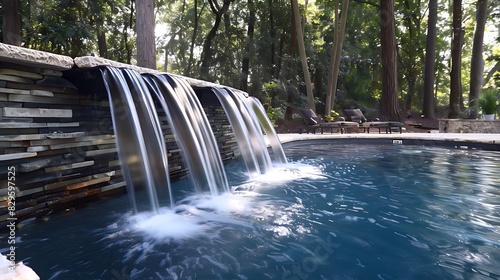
57, 145
468, 126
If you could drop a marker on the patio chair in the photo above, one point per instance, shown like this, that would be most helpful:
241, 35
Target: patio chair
315, 122
355, 115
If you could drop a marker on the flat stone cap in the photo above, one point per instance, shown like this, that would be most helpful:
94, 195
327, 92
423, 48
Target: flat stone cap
92, 61
40, 59
24, 56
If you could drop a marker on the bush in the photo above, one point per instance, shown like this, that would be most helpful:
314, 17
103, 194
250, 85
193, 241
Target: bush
488, 102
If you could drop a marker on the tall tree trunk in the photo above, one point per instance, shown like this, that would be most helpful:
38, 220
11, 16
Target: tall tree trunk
412, 83
303, 56
145, 26
430, 57
293, 38
101, 42
477, 62
206, 60
11, 26
272, 34
333, 68
288, 70
100, 30
456, 58
389, 103
245, 67
281, 50
331, 65
412, 24
207, 53
187, 72
128, 49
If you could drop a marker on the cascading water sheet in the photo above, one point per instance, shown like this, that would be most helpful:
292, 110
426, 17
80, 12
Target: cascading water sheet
240, 131
141, 144
182, 129
254, 131
204, 133
190, 128
136, 126
260, 112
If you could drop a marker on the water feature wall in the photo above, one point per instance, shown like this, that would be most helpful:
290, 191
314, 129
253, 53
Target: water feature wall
57, 137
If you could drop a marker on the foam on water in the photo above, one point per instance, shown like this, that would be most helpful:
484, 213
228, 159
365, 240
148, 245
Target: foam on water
287, 172
168, 225
225, 203
199, 214
194, 216
330, 227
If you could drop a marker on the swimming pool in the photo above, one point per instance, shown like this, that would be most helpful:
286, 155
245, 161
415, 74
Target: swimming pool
335, 212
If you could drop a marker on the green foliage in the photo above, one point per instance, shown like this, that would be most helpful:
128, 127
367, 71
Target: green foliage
274, 105
71, 27
275, 114
489, 101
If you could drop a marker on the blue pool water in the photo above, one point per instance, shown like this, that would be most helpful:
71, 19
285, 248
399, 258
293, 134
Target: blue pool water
335, 212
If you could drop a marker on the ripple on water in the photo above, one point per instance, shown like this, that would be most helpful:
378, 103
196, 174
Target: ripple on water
353, 215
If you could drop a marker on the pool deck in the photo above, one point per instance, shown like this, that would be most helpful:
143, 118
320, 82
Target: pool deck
481, 138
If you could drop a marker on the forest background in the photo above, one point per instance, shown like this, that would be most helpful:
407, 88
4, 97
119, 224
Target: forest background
255, 45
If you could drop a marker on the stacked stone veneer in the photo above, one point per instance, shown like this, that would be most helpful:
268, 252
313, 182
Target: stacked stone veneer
468, 126
56, 133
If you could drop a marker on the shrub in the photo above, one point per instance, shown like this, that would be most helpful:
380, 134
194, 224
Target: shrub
488, 101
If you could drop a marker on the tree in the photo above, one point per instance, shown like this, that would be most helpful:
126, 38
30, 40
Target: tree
456, 61
389, 102
272, 35
477, 62
430, 54
97, 19
196, 24
11, 25
359, 79
145, 28
206, 57
411, 49
233, 54
303, 56
246, 59
333, 68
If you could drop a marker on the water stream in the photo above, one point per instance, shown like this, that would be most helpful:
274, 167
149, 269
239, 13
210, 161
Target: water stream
141, 144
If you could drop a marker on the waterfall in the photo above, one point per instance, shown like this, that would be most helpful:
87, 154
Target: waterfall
272, 137
238, 108
191, 132
210, 150
241, 131
141, 148
141, 143
257, 141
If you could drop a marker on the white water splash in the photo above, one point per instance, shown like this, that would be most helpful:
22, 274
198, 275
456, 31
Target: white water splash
198, 215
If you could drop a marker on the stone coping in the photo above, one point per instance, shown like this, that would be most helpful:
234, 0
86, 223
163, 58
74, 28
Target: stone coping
480, 138
92, 61
34, 58
29, 57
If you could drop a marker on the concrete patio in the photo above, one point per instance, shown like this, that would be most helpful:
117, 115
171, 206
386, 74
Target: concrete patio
476, 138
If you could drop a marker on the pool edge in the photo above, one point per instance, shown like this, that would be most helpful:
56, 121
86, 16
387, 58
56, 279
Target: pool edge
453, 140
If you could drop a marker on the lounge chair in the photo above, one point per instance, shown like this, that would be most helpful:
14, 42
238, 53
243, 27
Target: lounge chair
315, 122
355, 115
